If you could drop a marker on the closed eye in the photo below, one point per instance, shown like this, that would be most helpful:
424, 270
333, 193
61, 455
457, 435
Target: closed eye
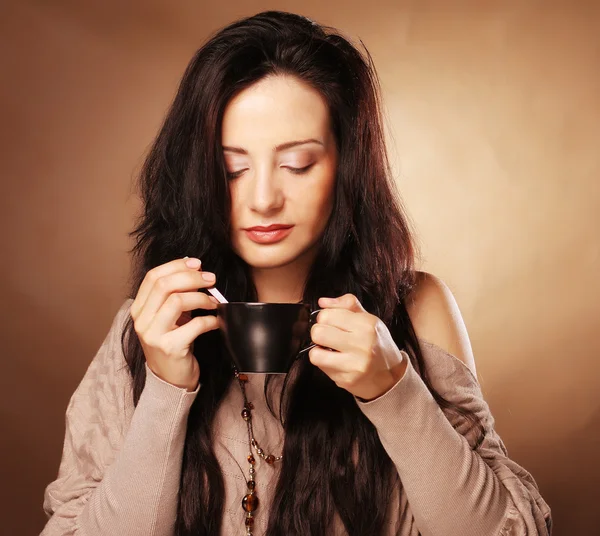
295, 170
299, 171
235, 174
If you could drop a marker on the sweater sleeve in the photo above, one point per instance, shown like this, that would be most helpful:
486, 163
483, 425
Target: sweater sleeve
120, 466
453, 487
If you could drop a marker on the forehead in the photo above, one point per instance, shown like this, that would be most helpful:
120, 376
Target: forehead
275, 110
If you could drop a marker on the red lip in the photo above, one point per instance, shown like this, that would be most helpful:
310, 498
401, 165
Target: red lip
270, 234
273, 227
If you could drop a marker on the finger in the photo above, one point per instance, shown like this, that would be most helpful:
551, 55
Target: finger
332, 337
167, 316
184, 318
347, 301
165, 286
343, 319
177, 265
185, 335
327, 360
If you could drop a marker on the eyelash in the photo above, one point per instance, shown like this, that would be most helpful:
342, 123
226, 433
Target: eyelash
295, 171
235, 174
300, 171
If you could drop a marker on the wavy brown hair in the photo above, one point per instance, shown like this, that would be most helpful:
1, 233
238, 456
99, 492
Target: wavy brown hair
366, 249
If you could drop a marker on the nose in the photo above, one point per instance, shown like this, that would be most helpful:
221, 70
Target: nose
266, 196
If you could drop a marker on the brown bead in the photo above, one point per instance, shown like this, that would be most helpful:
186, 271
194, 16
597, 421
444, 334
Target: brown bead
251, 485
270, 459
250, 405
250, 502
246, 414
251, 459
249, 521
243, 377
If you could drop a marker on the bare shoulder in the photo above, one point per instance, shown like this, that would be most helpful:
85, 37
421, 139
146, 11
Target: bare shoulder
436, 318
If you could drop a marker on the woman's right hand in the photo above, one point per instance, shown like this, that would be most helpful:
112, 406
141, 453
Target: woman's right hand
163, 324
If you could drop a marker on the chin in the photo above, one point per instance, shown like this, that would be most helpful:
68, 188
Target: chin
275, 255
265, 259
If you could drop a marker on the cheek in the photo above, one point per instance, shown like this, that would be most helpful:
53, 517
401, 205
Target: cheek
235, 215
318, 202
325, 195
234, 200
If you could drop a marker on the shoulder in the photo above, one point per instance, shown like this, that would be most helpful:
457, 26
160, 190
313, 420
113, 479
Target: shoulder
102, 403
108, 370
436, 318
118, 325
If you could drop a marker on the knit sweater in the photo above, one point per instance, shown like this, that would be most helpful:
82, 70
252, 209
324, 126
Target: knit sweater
121, 464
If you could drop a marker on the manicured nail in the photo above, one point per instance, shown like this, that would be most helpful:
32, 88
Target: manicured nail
208, 276
193, 263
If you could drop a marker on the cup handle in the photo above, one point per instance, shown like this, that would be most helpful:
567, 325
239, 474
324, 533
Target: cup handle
312, 313
310, 324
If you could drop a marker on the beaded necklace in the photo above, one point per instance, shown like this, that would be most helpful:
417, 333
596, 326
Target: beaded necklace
250, 500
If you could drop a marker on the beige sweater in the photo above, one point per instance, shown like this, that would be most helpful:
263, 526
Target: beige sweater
120, 468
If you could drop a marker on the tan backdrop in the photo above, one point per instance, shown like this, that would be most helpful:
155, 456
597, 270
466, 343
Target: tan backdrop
494, 116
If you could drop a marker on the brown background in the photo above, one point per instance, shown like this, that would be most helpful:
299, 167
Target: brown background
494, 115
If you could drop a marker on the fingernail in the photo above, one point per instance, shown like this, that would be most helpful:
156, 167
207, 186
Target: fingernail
193, 263
208, 276
213, 299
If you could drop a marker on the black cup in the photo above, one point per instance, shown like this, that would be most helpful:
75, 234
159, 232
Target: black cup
265, 337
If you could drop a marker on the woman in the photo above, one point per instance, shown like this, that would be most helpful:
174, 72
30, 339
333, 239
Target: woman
270, 172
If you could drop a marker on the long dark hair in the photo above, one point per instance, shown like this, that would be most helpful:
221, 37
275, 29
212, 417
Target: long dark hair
366, 249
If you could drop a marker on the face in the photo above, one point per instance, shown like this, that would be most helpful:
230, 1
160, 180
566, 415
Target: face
281, 159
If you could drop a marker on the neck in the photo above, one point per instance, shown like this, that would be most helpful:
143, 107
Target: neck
283, 284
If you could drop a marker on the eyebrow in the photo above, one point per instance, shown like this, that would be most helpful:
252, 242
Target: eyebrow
279, 148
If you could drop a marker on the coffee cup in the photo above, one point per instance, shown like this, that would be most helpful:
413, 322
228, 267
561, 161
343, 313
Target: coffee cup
265, 337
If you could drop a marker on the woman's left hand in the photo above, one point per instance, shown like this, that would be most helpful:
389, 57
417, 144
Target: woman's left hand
366, 361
